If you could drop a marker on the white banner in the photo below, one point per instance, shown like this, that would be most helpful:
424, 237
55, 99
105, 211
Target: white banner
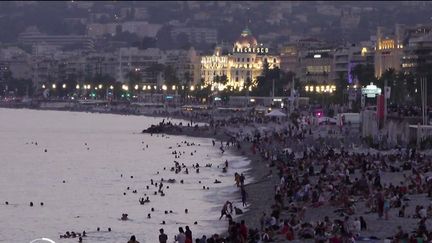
387, 91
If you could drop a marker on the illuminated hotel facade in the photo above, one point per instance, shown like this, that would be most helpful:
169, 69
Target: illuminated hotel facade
244, 64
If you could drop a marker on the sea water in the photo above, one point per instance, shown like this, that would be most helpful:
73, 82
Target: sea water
98, 156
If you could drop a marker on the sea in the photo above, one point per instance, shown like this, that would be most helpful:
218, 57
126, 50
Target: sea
88, 169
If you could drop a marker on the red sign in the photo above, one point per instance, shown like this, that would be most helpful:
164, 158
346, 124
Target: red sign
380, 107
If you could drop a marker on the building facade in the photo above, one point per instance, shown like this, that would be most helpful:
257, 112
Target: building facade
241, 66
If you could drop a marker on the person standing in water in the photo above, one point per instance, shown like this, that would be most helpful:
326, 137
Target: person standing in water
163, 238
181, 237
188, 235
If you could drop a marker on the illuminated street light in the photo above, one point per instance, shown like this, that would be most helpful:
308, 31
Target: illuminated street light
100, 86
192, 88
173, 87
43, 86
136, 87
77, 86
164, 87
54, 86
64, 86
111, 87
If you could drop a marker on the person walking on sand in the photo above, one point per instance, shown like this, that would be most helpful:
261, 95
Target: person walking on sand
243, 195
237, 179
224, 210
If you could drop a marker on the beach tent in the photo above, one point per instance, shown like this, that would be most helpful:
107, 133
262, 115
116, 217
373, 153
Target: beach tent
276, 113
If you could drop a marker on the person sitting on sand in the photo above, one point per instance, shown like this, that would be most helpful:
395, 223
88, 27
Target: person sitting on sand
238, 211
217, 181
124, 216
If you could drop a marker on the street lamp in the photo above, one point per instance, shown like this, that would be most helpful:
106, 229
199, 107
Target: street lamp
53, 86
77, 86
64, 86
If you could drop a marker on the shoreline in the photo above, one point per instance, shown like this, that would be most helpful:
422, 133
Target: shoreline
259, 190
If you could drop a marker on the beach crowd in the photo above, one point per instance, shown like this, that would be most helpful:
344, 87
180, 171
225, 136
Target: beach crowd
326, 193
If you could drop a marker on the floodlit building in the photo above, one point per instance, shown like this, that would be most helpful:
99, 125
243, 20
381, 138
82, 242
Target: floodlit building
388, 51
398, 50
316, 66
243, 64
